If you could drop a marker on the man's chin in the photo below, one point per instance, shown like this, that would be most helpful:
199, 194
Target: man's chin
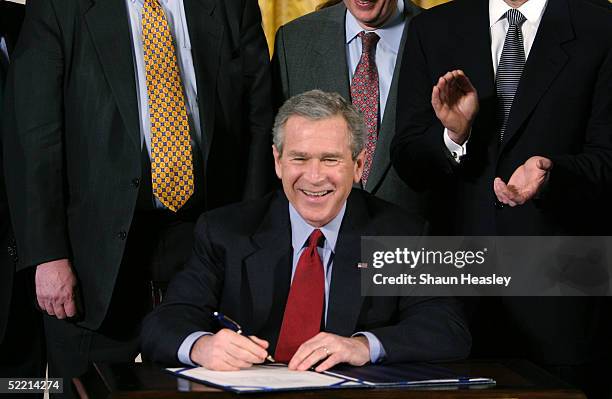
313, 215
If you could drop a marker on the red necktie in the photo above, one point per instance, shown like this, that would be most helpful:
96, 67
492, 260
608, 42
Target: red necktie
364, 95
304, 309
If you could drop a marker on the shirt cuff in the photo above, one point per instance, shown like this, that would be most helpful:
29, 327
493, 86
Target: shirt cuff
377, 351
184, 351
457, 151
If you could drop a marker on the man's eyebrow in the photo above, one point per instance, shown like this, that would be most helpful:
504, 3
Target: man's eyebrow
297, 154
331, 155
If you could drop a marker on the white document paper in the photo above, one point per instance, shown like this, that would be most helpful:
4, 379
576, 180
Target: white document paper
263, 377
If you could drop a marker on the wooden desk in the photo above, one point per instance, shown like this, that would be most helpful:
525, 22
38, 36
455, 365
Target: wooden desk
515, 379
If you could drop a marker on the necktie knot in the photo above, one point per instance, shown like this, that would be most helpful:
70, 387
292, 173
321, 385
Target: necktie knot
316, 239
368, 41
515, 17
152, 3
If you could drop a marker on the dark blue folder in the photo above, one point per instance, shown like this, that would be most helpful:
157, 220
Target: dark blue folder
412, 374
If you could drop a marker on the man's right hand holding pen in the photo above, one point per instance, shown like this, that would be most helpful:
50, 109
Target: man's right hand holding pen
228, 351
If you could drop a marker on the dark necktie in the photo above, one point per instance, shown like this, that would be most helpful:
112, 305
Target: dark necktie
304, 308
510, 69
365, 95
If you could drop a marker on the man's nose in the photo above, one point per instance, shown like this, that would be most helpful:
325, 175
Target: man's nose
315, 171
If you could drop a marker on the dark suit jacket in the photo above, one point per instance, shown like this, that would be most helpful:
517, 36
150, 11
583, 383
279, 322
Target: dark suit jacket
562, 110
11, 17
73, 148
310, 54
241, 266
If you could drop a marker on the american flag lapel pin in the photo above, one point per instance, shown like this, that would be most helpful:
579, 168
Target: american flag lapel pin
362, 265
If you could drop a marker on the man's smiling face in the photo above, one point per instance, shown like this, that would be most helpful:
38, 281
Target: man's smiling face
316, 167
371, 14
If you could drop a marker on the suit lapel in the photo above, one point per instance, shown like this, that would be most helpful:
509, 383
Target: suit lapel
109, 28
474, 37
331, 69
381, 162
268, 267
546, 59
206, 34
345, 292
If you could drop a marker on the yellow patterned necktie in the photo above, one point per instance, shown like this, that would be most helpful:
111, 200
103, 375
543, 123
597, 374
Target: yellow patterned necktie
171, 161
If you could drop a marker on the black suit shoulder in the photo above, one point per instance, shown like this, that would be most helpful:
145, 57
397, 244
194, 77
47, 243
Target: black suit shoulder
240, 219
385, 218
591, 21
448, 11
441, 21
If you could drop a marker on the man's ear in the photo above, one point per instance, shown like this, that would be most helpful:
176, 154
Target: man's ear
277, 162
359, 164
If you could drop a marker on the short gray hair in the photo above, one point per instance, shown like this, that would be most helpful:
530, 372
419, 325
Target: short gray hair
317, 105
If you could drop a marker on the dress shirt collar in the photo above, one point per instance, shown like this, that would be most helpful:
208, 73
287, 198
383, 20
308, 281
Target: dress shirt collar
390, 33
531, 9
141, 2
300, 230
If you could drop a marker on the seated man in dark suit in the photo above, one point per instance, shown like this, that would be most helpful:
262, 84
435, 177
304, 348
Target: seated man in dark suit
285, 266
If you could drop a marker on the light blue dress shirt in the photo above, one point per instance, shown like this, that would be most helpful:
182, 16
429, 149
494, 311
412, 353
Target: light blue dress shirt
386, 50
177, 22
300, 231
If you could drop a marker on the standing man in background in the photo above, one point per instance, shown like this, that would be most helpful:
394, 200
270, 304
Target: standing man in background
126, 119
22, 351
353, 48
506, 115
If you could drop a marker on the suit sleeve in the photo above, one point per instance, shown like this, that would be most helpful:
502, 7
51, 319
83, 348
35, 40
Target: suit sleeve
428, 329
257, 93
33, 146
588, 175
192, 297
418, 152
280, 75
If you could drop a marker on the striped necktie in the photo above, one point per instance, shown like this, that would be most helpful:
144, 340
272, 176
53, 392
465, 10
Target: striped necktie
171, 160
510, 67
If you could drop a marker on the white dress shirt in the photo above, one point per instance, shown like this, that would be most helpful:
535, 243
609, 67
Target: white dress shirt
533, 11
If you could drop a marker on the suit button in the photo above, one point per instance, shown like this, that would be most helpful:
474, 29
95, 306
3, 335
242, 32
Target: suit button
122, 235
12, 252
135, 182
499, 205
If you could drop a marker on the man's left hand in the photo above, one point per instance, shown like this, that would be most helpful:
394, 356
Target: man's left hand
330, 349
525, 183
